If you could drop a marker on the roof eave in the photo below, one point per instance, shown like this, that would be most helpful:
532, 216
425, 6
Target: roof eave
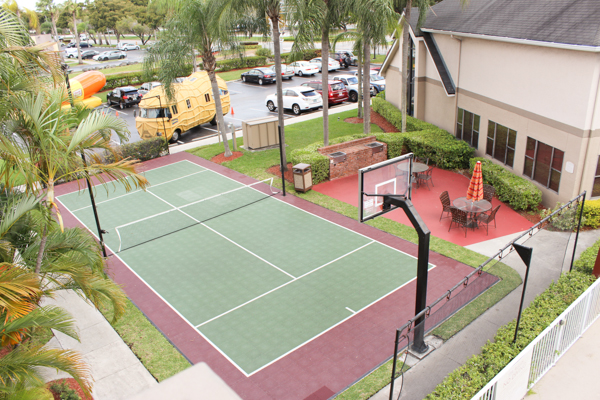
564, 46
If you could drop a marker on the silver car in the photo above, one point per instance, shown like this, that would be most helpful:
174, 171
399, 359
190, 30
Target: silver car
110, 55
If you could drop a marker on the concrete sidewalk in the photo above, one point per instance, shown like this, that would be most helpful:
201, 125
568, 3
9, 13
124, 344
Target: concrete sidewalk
117, 373
547, 265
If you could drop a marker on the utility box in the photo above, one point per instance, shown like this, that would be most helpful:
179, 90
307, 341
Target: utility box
260, 133
302, 177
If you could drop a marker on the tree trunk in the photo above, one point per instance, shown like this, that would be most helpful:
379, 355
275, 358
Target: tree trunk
77, 39
404, 86
274, 16
219, 111
99, 38
366, 85
107, 39
360, 88
325, 81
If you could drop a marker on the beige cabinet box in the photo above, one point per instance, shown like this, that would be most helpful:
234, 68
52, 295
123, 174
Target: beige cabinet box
259, 133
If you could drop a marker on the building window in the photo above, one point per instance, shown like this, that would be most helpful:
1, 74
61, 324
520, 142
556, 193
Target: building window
543, 163
174, 110
467, 127
501, 143
189, 104
207, 97
596, 188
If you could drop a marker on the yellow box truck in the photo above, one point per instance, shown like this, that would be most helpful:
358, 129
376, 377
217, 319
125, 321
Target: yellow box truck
193, 105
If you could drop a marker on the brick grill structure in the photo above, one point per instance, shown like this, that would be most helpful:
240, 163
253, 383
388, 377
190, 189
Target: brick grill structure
357, 156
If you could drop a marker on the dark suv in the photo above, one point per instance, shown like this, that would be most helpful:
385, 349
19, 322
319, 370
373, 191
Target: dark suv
124, 96
337, 92
345, 58
82, 45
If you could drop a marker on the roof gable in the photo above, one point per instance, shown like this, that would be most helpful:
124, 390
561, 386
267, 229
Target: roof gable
573, 22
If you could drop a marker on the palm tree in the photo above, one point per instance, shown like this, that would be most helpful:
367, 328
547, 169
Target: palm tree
374, 19
405, 22
22, 13
49, 9
71, 7
195, 25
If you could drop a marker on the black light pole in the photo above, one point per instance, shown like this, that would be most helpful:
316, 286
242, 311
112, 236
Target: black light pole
525, 254
65, 69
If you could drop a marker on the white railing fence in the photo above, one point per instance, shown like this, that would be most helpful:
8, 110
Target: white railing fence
543, 352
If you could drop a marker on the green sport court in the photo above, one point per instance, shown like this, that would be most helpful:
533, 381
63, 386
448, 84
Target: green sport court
255, 276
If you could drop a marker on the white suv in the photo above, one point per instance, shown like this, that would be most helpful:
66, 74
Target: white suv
297, 99
351, 83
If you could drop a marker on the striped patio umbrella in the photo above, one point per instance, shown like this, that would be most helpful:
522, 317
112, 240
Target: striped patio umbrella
475, 191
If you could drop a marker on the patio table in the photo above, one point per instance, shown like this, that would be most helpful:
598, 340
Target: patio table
472, 207
416, 169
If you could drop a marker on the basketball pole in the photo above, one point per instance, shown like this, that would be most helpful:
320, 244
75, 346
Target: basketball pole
281, 150
424, 233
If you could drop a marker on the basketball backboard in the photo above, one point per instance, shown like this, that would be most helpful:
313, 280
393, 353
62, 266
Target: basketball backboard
387, 177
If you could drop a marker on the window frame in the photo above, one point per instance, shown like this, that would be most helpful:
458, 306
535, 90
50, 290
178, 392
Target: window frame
495, 142
596, 177
535, 164
461, 117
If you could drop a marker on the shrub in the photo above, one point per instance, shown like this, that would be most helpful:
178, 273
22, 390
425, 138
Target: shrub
318, 162
467, 380
64, 391
238, 63
381, 95
126, 79
142, 150
587, 259
520, 193
591, 213
305, 55
264, 53
566, 220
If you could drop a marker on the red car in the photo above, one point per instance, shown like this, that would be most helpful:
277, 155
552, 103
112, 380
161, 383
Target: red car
337, 90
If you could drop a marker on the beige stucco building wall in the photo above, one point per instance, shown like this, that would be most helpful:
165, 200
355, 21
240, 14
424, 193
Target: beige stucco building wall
548, 94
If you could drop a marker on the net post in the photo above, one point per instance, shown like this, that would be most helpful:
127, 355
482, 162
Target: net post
281, 159
395, 360
577, 234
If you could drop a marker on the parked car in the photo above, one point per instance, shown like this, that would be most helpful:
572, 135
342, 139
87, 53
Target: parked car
260, 75
287, 72
337, 92
302, 68
345, 58
297, 99
124, 97
71, 52
148, 86
351, 83
333, 65
88, 54
82, 45
377, 81
110, 55
127, 46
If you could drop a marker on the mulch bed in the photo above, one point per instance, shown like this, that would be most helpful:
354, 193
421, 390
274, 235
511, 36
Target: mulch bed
375, 119
72, 383
220, 158
289, 175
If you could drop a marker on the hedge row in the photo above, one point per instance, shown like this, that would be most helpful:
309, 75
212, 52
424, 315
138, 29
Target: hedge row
520, 193
306, 55
238, 63
142, 150
587, 259
126, 79
318, 162
591, 213
467, 380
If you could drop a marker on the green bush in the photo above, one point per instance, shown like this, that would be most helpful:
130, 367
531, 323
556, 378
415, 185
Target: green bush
318, 162
587, 259
520, 193
239, 63
125, 79
251, 46
305, 55
264, 53
142, 150
467, 380
381, 95
64, 391
591, 213
566, 220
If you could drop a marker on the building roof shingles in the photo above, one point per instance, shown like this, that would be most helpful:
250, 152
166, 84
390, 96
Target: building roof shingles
573, 22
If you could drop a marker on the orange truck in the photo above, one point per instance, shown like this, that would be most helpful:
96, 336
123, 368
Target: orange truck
84, 86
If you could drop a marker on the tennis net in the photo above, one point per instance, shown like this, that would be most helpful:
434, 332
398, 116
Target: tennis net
156, 226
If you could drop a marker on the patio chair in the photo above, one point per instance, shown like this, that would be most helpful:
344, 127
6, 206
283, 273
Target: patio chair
446, 203
488, 192
425, 177
422, 160
488, 218
460, 218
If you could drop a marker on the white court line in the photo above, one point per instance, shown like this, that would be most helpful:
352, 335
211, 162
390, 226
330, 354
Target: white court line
280, 286
138, 190
351, 310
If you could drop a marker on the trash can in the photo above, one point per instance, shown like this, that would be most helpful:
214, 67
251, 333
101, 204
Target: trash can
302, 177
